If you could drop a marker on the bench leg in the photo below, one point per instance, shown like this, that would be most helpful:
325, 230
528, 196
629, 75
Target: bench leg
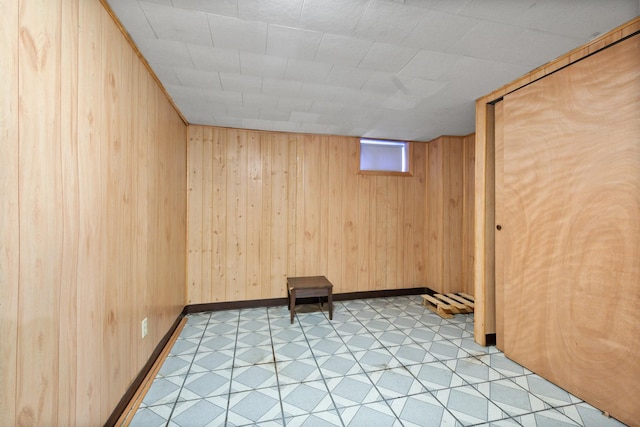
330, 303
292, 304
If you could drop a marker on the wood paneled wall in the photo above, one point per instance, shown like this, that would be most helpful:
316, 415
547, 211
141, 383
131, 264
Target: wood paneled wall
264, 206
93, 213
450, 214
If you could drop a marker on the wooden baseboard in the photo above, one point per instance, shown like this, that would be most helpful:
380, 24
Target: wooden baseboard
119, 415
274, 302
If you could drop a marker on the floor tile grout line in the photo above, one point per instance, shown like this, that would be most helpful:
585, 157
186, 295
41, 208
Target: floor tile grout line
233, 364
324, 380
275, 369
184, 381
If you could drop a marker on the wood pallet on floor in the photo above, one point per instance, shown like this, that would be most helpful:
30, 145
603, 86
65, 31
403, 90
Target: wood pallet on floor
446, 305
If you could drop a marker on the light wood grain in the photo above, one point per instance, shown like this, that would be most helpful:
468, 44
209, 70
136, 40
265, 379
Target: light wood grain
468, 210
41, 220
306, 211
9, 209
93, 207
571, 203
500, 236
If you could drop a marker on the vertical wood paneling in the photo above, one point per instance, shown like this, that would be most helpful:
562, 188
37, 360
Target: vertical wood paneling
67, 359
349, 200
452, 214
288, 204
468, 213
256, 219
219, 218
207, 213
9, 209
41, 219
93, 227
196, 195
92, 222
435, 210
365, 241
419, 242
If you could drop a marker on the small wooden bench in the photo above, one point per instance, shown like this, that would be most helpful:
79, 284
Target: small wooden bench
313, 286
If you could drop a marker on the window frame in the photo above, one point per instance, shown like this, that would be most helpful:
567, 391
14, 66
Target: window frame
380, 172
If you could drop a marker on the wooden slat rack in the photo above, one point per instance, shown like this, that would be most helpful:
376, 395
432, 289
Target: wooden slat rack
447, 305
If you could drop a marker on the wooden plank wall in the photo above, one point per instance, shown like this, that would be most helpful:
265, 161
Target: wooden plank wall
93, 213
265, 205
449, 216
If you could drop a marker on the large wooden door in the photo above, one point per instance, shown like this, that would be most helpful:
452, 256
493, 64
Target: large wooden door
569, 248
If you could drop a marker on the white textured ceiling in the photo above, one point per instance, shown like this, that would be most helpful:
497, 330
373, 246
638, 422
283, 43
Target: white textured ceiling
397, 69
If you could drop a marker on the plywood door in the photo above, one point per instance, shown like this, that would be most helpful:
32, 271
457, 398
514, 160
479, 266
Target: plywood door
571, 204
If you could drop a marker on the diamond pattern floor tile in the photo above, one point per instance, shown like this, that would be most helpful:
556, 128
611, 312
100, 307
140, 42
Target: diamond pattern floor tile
469, 406
352, 390
154, 416
548, 418
201, 412
254, 406
510, 397
305, 398
379, 362
254, 377
545, 390
206, 384
371, 414
588, 416
396, 382
317, 419
422, 410
298, 371
436, 376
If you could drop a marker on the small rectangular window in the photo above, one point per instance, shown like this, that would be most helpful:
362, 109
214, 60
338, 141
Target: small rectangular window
383, 156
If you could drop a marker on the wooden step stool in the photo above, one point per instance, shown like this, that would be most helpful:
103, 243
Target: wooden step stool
446, 305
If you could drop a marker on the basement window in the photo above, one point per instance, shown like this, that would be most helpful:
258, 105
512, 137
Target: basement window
378, 156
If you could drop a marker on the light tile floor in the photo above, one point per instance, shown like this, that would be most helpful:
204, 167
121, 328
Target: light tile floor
380, 362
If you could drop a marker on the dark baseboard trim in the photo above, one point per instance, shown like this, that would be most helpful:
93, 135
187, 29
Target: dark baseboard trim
133, 388
274, 302
490, 339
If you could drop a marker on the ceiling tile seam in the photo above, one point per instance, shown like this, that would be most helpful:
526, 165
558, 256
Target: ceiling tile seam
364, 11
146, 17
213, 43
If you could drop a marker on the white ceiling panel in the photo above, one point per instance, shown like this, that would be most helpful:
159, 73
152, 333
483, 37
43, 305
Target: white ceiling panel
292, 42
173, 23
341, 75
215, 59
342, 50
332, 16
233, 33
439, 31
307, 71
387, 57
240, 83
198, 78
388, 21
262, 65
398, 69
430, 65
218, 7
281, 12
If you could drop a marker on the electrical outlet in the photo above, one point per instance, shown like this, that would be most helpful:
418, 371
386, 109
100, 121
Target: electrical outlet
144, 327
